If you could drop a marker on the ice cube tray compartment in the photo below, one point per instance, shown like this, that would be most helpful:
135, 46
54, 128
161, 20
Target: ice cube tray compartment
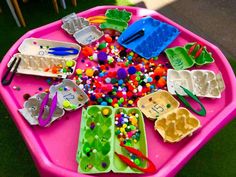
40, 48
203, 83
176, 125
42, 66
157, 36
98, 142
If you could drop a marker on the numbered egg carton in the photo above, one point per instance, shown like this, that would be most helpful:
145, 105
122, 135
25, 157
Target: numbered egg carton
203, 83
43, 66
173, 123
98, 141
72, 23
69, 97
31, 108
42, 48
156, 37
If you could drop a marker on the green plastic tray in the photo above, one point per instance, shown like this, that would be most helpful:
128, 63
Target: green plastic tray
179, 58
104, 142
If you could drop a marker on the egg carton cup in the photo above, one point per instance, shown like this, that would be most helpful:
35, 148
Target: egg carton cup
157, 36
172, 122
31, 108
176, 125
98, 143
88, 35
73, 24
180, 59
203, 83
36, 65
40, 48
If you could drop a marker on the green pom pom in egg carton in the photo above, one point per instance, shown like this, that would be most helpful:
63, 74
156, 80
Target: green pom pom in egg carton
103, 129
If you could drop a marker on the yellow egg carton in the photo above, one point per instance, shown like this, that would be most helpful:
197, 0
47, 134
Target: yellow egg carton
172, 122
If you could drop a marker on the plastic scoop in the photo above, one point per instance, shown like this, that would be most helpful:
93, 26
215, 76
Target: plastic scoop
150, 168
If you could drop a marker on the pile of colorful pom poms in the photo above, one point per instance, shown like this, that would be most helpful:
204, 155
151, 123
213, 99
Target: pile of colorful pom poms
127, 127
133, 77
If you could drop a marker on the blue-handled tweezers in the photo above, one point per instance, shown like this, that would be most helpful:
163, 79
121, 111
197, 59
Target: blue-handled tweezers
63, 51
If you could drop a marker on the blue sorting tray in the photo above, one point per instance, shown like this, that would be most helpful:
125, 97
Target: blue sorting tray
157, 36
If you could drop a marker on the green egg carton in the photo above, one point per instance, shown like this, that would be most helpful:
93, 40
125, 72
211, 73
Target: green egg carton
116, 19
180, 60
98, 141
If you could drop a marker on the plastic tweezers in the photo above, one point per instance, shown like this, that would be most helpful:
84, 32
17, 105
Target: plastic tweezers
133, 37
63, 51
4, 79
202, 112
150, 167
43, 122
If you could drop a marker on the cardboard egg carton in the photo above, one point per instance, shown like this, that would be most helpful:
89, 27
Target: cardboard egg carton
172, 123
203, 83
41, 66
65, 91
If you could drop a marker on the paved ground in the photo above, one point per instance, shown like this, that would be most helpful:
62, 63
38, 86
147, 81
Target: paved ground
214, 20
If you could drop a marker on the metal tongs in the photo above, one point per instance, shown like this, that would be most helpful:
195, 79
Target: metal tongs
6, 81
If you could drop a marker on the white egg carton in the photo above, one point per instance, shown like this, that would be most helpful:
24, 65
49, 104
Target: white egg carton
203, 83
40, 47
72, 23
31, 109
36, 65
88, 35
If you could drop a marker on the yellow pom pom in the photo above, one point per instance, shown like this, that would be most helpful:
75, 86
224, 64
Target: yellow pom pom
79, 71
66, 104
70, 63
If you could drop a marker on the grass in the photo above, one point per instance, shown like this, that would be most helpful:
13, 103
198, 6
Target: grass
217, 158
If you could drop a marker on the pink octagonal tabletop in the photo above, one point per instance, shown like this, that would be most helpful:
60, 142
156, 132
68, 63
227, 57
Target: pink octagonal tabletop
54, 148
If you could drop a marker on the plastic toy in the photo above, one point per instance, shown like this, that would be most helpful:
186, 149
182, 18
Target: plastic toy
42, 109
88, 35
157, 36
202, 83
185, 57
98, 143
7, 80
173, 123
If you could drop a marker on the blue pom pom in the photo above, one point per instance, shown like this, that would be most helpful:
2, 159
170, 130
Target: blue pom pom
131, 70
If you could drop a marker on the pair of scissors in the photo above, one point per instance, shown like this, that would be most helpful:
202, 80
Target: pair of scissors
63, 51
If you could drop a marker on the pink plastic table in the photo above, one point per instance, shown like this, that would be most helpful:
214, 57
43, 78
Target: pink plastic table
54, 148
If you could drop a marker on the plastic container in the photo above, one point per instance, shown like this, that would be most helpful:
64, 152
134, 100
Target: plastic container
54, 149
180, 59
157, 36
203, 83
98, 141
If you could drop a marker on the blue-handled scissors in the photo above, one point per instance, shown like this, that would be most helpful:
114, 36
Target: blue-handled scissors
63, 51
